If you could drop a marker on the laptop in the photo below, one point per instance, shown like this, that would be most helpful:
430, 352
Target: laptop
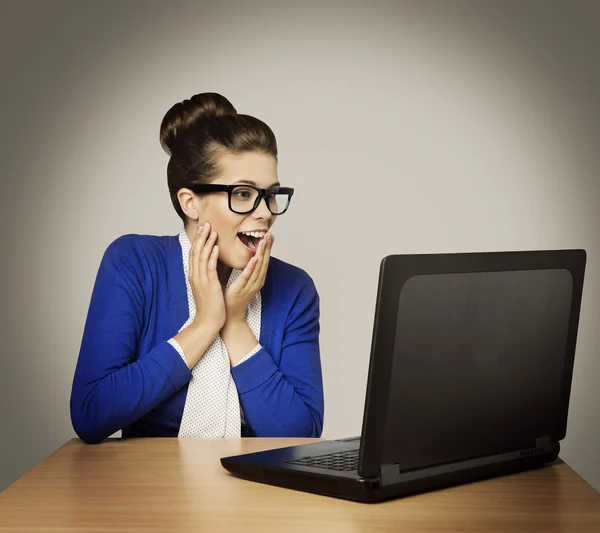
469, 378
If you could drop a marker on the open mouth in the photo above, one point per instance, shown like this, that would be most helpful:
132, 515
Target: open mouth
250, 239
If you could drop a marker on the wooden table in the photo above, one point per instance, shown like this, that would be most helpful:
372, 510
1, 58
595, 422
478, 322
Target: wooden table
179, 485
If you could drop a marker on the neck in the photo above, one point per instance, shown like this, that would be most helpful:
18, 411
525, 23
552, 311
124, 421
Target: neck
223, 271
190, 231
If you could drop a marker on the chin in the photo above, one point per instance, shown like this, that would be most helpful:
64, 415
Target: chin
239, 263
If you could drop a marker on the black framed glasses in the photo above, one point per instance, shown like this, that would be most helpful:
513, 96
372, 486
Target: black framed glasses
244, 199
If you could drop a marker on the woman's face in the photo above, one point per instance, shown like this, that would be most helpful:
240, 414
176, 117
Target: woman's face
249, 168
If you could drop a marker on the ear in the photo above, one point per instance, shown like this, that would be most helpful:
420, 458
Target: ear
189, 203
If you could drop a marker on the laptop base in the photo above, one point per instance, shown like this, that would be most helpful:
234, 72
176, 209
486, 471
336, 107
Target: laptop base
271, 467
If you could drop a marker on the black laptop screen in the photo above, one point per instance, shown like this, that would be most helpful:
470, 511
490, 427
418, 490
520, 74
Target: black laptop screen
478, 364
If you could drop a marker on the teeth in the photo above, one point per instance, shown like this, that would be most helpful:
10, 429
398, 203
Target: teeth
255, 234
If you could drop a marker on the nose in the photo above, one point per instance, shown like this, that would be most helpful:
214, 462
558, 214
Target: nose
262, 211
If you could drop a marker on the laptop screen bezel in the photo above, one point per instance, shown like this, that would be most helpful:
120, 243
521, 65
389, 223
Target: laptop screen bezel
394, 272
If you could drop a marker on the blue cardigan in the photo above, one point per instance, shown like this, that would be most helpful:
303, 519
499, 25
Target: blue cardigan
129, 378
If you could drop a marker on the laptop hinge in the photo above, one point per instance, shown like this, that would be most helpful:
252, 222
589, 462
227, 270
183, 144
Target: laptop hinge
544, 442
389, 474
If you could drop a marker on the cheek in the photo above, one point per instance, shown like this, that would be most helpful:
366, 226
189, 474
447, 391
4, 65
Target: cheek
218, 218
226, 224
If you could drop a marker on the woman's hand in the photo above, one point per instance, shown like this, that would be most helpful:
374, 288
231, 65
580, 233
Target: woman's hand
241, 292
204, 280
195, 339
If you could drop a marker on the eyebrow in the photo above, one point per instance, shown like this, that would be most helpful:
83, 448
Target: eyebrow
250, 182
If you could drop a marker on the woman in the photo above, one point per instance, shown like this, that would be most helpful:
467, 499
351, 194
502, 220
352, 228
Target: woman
204, 334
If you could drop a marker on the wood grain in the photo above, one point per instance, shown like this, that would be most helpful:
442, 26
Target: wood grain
179, 485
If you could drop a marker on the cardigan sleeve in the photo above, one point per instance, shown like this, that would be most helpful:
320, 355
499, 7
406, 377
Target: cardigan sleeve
286, 399
112, 387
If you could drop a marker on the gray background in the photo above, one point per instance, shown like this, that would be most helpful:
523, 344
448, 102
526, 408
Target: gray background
404, 126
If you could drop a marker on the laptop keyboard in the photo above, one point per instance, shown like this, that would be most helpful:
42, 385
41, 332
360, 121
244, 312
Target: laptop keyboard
346, 461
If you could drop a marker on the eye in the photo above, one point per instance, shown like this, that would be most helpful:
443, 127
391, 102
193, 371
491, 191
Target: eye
242, 194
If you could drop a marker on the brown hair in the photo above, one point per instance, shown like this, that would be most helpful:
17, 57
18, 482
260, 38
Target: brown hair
196, 131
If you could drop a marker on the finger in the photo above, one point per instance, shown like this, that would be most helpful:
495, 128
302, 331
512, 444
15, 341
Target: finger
263, 263
205, 254
246, 274
197, 246
202, 231
212, 264
266, 257
258, 258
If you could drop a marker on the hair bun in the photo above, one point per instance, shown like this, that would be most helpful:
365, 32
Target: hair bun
183, 115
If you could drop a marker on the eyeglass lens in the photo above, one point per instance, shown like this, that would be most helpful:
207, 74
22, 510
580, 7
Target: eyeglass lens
243, 199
